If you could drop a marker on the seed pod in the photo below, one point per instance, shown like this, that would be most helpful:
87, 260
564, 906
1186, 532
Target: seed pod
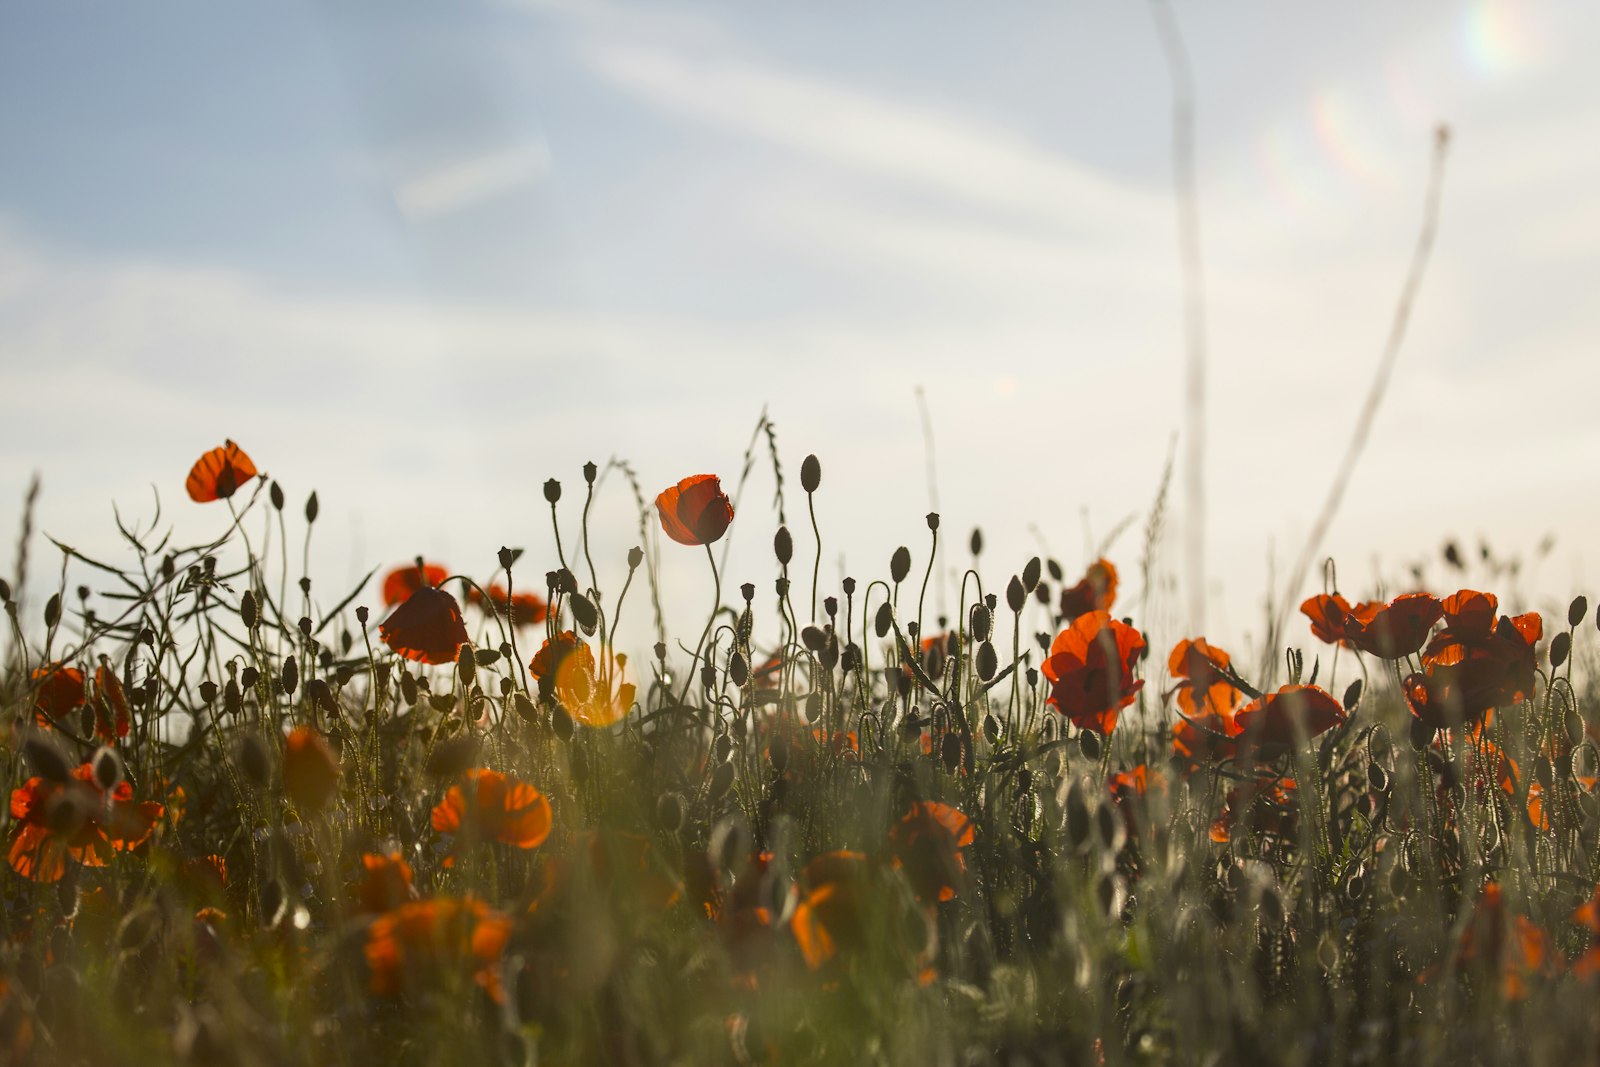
635, 557
900, 564
291, 676
810, 474
524, 707
850, 658
708, 676
884, 620
255, 763
552, 491
321, 695
782, 585
1576, 611
933, 521
311, 507
849, 586
52, 610
1560, 645
988, 661
584, 611
783, 545
590, 471
362, 615
208, 692
830, 606
47, 761
721, 779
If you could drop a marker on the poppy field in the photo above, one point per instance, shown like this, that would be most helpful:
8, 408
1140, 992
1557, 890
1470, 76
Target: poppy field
508, 818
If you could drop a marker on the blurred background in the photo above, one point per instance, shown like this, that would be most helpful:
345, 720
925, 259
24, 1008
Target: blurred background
422, 257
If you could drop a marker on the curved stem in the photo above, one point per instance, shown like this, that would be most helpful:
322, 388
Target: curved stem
698, 645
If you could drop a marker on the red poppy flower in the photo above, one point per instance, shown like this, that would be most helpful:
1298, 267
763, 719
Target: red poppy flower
1090, 669
832, 911
1096, 591
1331, 617
1475, 663
1398, 628
1128, 791
400, 583
593, 691
1203, 689
1263, 806
523, 609
491, 806
310, 770
927, 845
59, 692
1283, 718
1511, 948
385, 882
420, 944
219, 473
695, 511
111, 718
428, 627
53, 822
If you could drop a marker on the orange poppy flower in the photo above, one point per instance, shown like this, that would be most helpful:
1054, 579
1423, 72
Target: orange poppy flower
59, 692
53, 822
1202, 688
1475, 663
1095, 591
695, 511
400, 583
111, 718
385, 882
1395, 629
420, 943
1281, 719
1511, 947
427, 628
1331, 617
523, 609
491, 806
1090, 669
592, 690
310, 770
219, 473
831, 914
1264, 806
927, 845
1128, 791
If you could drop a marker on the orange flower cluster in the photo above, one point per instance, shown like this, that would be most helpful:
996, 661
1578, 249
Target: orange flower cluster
1476, 663
76, 820
1090, 670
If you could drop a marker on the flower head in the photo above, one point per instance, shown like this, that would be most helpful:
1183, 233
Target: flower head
1395, 629
695, 511
1090, 669
428, 627
400, 583
927, 845
1095, 591
495, 807
219, 473
53, 822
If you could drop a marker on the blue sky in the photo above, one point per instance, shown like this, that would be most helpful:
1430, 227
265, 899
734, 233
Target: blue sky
421, 257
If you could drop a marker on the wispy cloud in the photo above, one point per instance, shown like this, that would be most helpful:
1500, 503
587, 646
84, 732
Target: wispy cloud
462, 183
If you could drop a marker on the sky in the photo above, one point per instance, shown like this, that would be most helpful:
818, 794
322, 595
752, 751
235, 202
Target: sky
422, 257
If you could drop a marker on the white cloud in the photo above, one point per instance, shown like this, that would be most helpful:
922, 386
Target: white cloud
462, 183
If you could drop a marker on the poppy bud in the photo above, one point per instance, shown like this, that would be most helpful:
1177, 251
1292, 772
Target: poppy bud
977, 541
830, 605
552, 491
1377, 777
991, 729
1016, 596
1421, 734
1560, 645
107, 767
635, 557
1452, 555
813, 707
660, 649
566, 581
1041, 593
321, 695
738, 670
708, 676
466, 665
748, 591
810, 474
1054, 569
362, 615
249, 677
524, 707
1576, 611
208, 691
1352, 695
812, 638
507, 557
255, 765
52, 610
885, 619
783, 545
311, 507
561, 723
584, 611
589, 471
988, 661
408, 688
232, 700
248, 611
291, 676
721, 779
46, 759
829, 654
778, 755
169, 567
900, 564
950, 751
1089, 743
275, 494
980, 622
5, 591
850, 659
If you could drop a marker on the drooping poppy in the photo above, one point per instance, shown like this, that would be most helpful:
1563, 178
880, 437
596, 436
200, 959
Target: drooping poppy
1282, 719
219, 473
1332, 618
490, 806
53, 822
310, 770
427, 628
1090, 669
523, 609
695, 511
385, 882
927, 845
420, 944
1095, 591
59, 691
1395, 629
111, 717
400, 583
